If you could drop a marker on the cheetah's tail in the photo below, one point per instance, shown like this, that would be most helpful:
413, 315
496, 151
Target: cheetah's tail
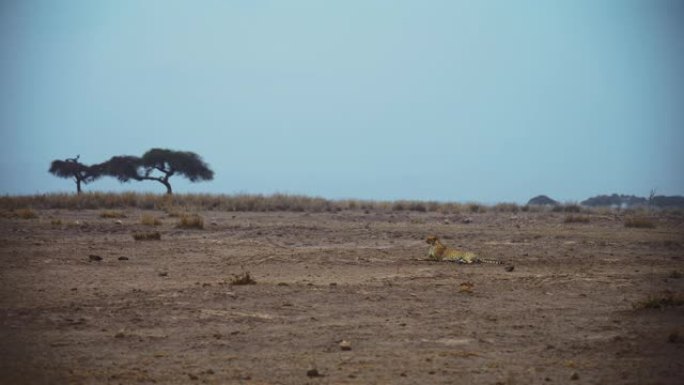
492, 261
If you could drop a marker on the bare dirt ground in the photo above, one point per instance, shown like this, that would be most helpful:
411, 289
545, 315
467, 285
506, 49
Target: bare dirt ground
168, 314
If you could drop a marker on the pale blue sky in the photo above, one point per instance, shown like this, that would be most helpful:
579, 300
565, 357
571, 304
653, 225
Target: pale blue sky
484, 101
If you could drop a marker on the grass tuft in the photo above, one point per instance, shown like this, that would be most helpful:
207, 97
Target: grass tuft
112, 214
640, 222
147, 236
25, 214
506, 208
191, 221
666, 299
242, 279
150, 220
576, 219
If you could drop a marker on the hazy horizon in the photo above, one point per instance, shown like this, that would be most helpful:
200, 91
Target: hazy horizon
460, 101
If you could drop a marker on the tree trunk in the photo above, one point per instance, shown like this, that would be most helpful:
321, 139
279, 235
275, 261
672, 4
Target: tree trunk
78, 186
168, 187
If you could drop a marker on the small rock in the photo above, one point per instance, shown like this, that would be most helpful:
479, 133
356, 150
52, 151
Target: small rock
345, 345
313, 373
467, 220
574, 376
123, 258
192, 376
119, 335
93, 257
163, 274
118, 222
509, 268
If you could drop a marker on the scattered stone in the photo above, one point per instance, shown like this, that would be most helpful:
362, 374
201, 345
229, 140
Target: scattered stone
193, 377
674, 338
163, 274
123, 258
118, 222
345, 345
119, 335
93, 257
574, 376
333, 284
313, 372
467, 220
510, 268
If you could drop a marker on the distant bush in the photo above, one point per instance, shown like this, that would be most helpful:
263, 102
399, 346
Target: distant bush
639, 222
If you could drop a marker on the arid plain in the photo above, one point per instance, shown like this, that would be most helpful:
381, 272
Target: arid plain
340, 297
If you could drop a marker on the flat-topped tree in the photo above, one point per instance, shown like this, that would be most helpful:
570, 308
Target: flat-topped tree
72, 168
159, 165
124, 168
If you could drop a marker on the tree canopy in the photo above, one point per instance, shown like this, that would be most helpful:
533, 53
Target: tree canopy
72, 168
158, 165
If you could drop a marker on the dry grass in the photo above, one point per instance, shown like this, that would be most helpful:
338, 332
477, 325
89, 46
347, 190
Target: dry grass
21, 213
666, 299
242, 279
640, 222
150, 220
147, 236
576, 219
112, 214
476, 208
24, 214
177, 204
506, 208
191, 221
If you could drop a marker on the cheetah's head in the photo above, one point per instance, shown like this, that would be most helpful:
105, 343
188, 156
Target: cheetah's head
432, 239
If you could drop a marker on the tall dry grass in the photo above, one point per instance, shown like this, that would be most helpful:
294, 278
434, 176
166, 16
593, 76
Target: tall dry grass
178, 204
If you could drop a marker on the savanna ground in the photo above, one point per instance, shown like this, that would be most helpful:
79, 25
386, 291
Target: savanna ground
587, 302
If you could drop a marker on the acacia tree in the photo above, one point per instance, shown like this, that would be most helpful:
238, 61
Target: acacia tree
159, 165
72, 168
